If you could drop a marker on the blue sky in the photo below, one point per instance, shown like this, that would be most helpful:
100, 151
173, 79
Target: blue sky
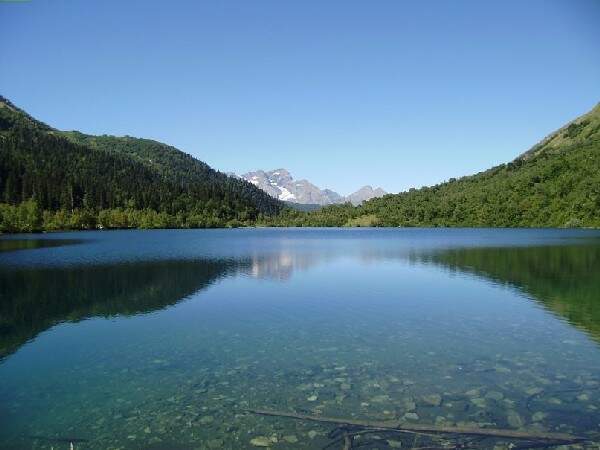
396, 94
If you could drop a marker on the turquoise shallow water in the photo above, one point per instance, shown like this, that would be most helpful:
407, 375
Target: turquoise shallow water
162, 339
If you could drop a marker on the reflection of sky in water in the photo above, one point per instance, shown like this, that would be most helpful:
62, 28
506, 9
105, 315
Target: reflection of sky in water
175, 332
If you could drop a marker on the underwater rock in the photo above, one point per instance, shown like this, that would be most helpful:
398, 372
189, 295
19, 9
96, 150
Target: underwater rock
514, 419
472, 393
533, 391
394, 444
312, 398
312, 434
494, 395
260, 441
206, 420
409, 405
440, 420
215, 443
411, 416
539, 416
380, 398
479, 402
291, 439
432, 400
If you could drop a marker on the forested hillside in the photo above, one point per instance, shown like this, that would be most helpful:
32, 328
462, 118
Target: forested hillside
51, 179
555, 184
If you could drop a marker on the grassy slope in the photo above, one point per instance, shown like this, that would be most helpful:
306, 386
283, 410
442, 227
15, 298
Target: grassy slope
556, 183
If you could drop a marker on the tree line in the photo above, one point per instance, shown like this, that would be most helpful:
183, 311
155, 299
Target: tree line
57, 180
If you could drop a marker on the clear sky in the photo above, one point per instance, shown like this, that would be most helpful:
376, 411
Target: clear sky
344, 93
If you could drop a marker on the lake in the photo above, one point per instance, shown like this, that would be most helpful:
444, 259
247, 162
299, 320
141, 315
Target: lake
164, 339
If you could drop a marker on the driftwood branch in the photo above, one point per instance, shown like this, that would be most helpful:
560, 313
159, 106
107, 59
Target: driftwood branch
559, 438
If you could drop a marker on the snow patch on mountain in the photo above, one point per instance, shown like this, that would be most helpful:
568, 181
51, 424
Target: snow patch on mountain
280, 184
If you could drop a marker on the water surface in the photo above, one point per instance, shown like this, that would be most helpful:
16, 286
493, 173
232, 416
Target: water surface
162, 339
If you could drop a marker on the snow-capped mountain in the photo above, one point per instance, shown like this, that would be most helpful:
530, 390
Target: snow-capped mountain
280, 184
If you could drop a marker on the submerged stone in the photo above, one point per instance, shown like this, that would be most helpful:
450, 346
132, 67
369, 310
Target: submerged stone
409, 405
472, 393
215, 443
433, 399
533, 391
380, 398
260, 441
514, 419
205, 420
291, 439
479, 402
411, 416
494, 395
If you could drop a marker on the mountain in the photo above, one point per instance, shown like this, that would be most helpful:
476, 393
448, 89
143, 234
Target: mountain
280, 184
365, 193
50, 179
554, 184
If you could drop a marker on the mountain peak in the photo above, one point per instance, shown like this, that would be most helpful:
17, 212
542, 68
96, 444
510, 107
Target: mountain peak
365, 193
280, 184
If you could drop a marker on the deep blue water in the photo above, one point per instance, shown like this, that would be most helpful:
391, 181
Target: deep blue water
163, 339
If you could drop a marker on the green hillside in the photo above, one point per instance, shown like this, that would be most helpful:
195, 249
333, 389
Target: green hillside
554, 184
51, 179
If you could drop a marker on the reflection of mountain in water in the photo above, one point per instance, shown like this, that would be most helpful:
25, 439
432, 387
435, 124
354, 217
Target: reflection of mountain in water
281, 265
35, 299
564, 279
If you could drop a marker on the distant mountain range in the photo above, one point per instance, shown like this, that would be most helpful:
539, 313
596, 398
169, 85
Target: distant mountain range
280, 184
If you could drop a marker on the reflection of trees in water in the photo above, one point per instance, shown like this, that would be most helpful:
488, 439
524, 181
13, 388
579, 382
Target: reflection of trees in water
564, 279
34, 299
10, 245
